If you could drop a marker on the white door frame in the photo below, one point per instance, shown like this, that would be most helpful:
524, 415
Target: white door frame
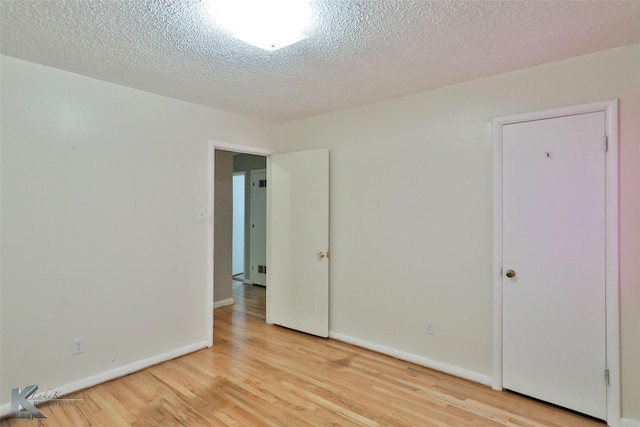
610, 108
236, 148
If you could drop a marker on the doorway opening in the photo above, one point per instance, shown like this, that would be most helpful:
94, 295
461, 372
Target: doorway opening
234, 239
297, 285
240, 222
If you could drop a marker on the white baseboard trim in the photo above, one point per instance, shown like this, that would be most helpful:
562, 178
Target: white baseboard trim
247, 282
628, 422
116, 372
413, 358
222, 303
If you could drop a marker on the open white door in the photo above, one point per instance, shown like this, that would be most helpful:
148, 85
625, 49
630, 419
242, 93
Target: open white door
258, 230
298, 227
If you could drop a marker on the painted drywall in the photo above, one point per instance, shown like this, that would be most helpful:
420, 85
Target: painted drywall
411, 208
246, 163
101, 187
223, 226
237, 263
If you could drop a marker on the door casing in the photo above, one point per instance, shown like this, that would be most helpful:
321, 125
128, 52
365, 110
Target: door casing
610, 108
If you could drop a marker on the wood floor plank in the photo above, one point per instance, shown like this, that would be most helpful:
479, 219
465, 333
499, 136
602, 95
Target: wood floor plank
264, 375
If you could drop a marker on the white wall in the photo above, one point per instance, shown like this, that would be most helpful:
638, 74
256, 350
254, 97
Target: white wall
239, 183
223, 227
101, 185
411, 208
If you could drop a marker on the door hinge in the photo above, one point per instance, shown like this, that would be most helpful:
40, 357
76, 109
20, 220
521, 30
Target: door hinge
605, 144
606, 376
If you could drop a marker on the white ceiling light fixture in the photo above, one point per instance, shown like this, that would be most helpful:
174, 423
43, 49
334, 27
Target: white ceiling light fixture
267, 24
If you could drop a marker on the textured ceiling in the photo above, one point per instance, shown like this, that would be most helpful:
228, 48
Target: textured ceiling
357, 52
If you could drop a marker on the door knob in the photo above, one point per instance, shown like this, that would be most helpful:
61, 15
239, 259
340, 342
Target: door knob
320, 255
510, 273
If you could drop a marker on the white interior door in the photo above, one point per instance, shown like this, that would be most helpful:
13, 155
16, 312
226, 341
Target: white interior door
299, 241
258, 231
554, 337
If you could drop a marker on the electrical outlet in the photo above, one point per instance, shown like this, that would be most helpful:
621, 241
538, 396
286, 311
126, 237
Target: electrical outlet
429, 329
78, 345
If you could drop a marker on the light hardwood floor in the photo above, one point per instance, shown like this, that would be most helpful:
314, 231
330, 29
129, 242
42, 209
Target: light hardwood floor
259, 374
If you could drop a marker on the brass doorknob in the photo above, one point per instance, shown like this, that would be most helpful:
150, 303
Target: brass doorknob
510, 273
320, 255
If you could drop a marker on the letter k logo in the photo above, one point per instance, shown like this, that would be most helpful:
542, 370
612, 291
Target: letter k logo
21, 407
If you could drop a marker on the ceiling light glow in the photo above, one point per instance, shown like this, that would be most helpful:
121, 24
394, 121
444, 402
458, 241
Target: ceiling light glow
267, 24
